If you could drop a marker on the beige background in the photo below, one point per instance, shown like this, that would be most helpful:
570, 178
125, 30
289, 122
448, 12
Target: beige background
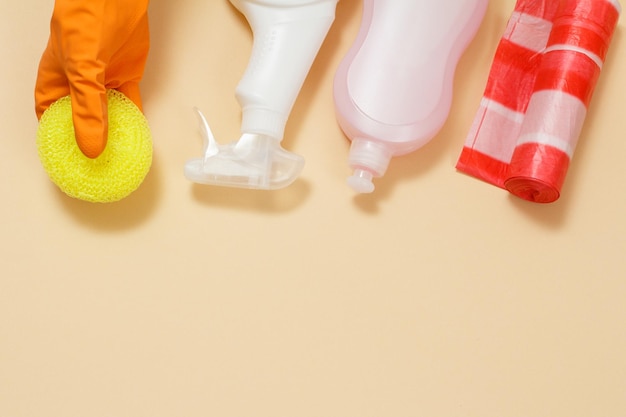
436, 296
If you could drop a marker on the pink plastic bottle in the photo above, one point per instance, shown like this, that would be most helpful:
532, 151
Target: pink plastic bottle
393, 89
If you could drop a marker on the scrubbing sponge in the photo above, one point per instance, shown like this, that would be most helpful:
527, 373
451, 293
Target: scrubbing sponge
113, 175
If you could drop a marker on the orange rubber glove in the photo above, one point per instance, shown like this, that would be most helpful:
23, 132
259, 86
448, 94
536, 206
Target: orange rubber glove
94, 45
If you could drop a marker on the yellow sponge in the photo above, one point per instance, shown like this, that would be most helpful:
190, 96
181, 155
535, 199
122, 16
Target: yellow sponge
113, 175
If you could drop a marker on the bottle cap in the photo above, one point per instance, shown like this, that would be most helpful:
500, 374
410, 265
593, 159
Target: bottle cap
368, 159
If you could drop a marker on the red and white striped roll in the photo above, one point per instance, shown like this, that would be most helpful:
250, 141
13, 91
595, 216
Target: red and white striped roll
539, 88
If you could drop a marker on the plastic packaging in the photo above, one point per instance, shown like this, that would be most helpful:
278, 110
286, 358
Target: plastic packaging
393, 89
287, 37
540, 85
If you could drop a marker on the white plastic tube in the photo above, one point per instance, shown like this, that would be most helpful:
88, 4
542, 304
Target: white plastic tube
393, 89
287, 37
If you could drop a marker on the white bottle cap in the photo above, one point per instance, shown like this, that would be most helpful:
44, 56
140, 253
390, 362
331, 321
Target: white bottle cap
369, 159
361, 181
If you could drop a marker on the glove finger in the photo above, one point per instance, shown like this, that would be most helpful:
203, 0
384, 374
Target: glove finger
126, 68
76, 33
89, 114
51, 83
89, 106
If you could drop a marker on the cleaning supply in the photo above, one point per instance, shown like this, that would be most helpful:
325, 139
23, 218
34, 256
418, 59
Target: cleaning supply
539, 89
393, 89
93, 46
287, 36
115, 173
